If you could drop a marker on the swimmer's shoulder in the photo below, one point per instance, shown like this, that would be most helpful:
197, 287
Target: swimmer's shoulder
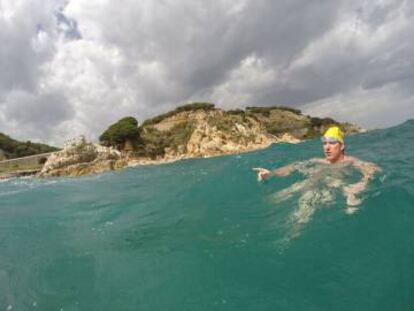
358, 162
351, 160
318, 161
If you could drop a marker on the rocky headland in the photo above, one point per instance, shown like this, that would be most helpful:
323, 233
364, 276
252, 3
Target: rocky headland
201, 130
191, 131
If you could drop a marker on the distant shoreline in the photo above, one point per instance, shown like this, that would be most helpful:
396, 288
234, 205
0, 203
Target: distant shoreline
134, 162
19, 173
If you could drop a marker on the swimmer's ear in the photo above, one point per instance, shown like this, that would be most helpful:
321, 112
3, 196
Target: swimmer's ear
342, 147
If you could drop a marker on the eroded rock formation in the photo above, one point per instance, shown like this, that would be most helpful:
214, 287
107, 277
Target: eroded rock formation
80, 157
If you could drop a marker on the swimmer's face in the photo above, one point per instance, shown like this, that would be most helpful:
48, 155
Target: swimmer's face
333, 151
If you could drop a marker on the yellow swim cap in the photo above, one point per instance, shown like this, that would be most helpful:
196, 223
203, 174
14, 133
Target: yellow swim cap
335, 132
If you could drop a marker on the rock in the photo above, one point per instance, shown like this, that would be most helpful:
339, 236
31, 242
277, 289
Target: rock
215, 134
287, 138
19, 173
80, 157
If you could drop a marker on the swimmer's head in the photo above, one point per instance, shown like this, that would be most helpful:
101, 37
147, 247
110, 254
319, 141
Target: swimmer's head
333, 144
333, 133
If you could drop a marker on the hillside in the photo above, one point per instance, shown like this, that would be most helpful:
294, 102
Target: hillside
11, 148
201, 129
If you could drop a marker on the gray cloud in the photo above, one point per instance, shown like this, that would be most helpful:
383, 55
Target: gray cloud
25, 45
85, 64
36, 114
24, 107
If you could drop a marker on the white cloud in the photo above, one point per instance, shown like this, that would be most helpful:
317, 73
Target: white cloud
72, 67
378, 108
250, 77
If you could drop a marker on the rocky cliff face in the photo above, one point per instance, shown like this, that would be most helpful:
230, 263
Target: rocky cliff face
80, 157
204, 133
215, 133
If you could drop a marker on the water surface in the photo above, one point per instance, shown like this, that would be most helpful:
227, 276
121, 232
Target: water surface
205, 235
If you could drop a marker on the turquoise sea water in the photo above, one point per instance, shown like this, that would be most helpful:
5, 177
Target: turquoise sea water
205, 235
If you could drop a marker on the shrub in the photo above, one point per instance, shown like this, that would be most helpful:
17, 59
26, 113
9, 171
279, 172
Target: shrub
317, 122
260, 110
118, 133
179, 135
155, 142
188, 107
266, 110
195, 106
42, 160
236, 111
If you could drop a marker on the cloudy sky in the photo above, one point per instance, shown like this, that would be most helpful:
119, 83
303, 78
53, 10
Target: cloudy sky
70, 67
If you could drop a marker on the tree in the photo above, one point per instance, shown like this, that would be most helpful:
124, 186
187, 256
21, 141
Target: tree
120, 132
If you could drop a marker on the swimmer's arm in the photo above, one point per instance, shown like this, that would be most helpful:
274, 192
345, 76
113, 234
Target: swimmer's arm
283, 171
288, 169
263, 173
368, 171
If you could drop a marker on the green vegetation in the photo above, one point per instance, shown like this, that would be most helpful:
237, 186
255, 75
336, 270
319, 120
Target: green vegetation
317, 125
263, 110
188, 107
236, 111
120, 132
275, 129
266, 110
180, 134
226, 122
16, 149
195, 106
244, 116
317, 122
155, 142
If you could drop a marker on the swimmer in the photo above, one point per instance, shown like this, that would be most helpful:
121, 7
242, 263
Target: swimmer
334, 151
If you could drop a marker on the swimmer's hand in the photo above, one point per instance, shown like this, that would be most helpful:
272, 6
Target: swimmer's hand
262, 173
355, 188
351, 191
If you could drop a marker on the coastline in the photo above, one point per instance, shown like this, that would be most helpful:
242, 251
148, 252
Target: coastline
19, 173
171, 159
103, 165
134, 162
